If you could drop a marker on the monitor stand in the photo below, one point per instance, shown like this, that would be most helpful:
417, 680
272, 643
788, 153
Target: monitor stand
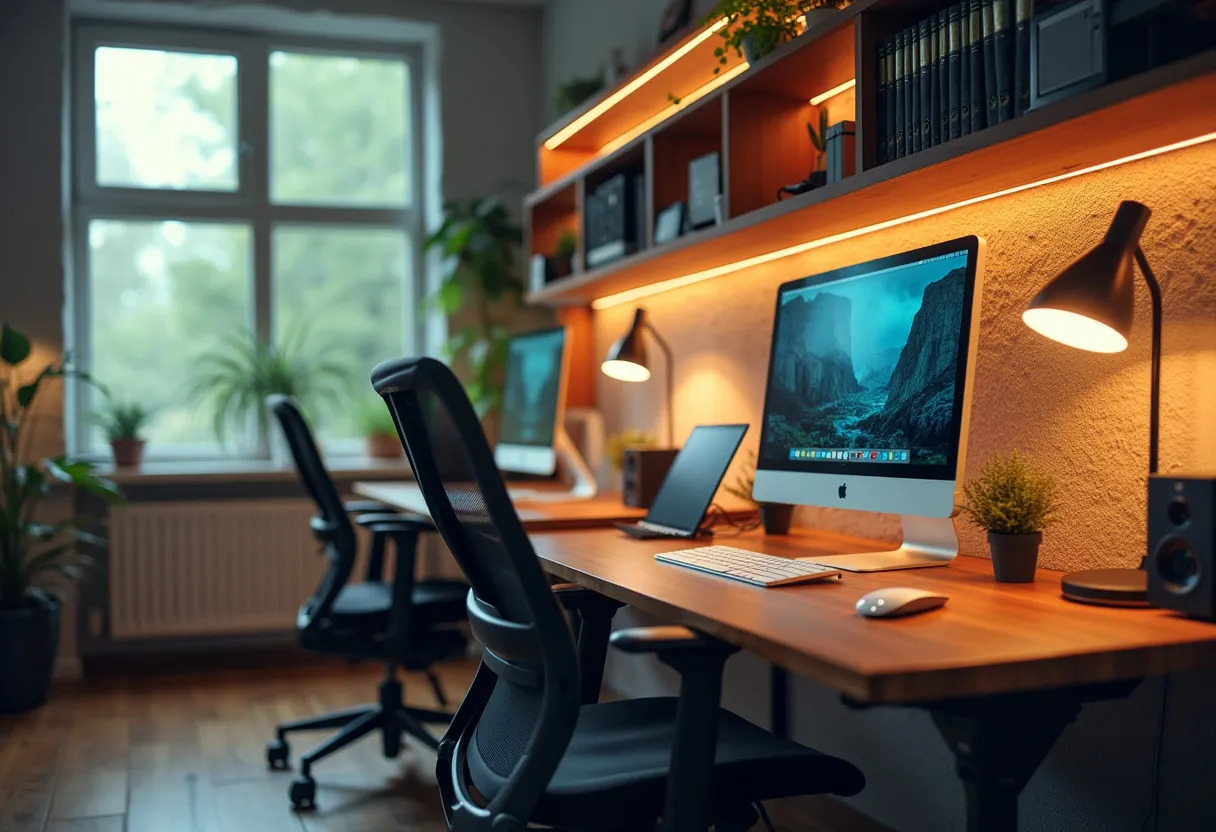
928, 541
571, 467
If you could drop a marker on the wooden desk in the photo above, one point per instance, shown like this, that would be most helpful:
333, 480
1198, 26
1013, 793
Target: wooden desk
1003, 668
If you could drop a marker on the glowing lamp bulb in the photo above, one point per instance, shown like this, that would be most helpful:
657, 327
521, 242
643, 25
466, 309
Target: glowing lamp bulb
1074, 330
625, 370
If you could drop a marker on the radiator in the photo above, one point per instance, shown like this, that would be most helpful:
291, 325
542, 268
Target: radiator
210, 568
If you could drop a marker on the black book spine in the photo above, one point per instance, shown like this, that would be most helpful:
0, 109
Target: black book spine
917, 68
934, 117
925, 38
881, 132
989, 48
954, 67
909, 43
943, 76
975, 56
900, 149
1002, 41
890, 60
1023, 11
964, 51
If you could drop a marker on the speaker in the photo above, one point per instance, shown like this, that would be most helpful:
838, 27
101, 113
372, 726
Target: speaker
1181, 562
644, 470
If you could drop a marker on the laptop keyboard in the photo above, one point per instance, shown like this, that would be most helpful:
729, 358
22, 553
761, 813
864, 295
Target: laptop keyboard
748, 567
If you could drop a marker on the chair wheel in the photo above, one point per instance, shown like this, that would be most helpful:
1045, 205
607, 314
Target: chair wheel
303, 794
277, 754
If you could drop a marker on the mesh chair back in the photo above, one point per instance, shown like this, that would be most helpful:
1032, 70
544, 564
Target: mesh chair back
524, 725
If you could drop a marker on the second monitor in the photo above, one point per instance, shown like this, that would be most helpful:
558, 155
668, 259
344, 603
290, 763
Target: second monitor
868, 395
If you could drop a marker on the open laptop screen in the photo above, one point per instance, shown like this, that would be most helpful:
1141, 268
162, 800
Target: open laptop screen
694, 477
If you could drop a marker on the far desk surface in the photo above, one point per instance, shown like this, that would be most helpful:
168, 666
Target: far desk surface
599, 511
990, 638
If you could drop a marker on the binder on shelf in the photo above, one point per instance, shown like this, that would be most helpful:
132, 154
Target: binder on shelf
975, 57
964, 49
1023, 11
942, 25
1002, 40
841, 151
881, 132
925, 37
989, 48
954, 67
909, 44
917, 68
898, 120
934, 116
890, 59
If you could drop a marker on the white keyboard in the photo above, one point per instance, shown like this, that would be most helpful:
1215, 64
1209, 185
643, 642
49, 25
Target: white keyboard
749, 567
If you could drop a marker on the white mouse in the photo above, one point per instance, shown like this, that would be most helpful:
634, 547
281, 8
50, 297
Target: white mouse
898, 600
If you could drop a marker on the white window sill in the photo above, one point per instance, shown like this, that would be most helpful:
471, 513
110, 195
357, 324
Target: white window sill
258, 470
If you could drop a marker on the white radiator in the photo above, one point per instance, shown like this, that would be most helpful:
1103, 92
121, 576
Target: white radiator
210, 568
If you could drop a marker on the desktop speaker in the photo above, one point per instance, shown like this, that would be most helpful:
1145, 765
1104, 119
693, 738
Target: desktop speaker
644, 470
1181, 561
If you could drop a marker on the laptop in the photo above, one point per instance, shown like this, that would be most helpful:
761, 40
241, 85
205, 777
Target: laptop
690, 485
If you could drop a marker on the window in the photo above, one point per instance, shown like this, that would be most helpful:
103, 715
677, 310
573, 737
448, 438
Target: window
229, 183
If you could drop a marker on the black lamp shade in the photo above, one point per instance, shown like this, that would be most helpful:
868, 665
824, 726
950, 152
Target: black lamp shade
1090, 304
626, 360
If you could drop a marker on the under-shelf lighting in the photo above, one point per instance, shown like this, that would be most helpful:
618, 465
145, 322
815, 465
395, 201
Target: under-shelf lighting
686, 101
833, 92
560, 137
632, 295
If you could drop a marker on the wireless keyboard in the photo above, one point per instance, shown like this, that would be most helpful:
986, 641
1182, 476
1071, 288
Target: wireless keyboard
749, 567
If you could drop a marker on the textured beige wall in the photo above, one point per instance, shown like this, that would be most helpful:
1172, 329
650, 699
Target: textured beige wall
1083, 416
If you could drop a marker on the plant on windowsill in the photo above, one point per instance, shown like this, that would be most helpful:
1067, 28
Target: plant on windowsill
775, 517
123, 423
480, 247
375, 422
32, 551
1014, 501
754, 28
233, 380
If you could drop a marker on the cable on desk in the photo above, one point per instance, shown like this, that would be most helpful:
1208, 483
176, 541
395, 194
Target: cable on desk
716, 516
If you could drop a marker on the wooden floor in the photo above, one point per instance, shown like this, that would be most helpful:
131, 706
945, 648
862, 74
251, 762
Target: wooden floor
186, 753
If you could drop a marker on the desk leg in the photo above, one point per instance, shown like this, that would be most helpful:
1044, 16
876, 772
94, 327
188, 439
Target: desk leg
779, 701
999, 742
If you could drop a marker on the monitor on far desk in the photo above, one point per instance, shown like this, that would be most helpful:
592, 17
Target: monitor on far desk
869, 392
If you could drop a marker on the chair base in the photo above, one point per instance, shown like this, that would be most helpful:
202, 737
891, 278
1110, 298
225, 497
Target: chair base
390, 717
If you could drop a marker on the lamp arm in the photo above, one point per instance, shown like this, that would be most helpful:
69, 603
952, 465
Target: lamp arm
1154, 291
666, 350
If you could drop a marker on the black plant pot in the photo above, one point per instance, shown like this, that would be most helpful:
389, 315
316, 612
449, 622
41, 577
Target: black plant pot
818, 178
1014, 556
776, 517
29, 638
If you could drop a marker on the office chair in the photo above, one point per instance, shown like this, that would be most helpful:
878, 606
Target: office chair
527, 745
406, 624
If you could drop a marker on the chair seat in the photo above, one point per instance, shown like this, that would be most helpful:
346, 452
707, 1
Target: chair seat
366, 605
615, 768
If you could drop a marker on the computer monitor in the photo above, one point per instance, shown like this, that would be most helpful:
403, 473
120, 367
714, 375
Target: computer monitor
868, 397
532, 399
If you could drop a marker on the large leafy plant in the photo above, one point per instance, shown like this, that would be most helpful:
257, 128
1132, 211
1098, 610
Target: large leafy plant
31, 551
759, 26
1011, 496
480, 245
234, 379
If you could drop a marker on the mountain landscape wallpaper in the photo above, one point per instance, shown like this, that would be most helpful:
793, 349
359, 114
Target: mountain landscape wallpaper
868, 362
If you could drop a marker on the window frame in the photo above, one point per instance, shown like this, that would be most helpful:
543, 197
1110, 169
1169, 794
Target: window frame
249, 204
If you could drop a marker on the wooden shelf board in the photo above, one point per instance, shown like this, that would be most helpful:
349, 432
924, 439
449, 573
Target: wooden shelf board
1148, 111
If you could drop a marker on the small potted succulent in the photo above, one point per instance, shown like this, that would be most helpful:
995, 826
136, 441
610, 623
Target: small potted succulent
1013, 501
123, 424
775, 517
754, 28
563, 254
379, 432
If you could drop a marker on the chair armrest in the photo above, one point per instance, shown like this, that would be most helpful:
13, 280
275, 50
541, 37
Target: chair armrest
394, 521
665, 639
366, 506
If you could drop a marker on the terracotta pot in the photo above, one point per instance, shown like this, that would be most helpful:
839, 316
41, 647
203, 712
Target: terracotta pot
29, 639
776, 517
1014, 556
128, 453
383, 446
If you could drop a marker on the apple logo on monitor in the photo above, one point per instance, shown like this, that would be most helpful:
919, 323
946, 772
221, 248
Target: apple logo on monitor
840, 492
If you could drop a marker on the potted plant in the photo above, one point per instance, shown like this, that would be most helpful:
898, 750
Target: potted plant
1013, 501
755, 28
480, 245
775, 517
122, 423
30, 550
563, 254
379, 432
819, 141
233, 380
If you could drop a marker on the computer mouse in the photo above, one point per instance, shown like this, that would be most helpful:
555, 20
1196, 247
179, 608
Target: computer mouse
898, 600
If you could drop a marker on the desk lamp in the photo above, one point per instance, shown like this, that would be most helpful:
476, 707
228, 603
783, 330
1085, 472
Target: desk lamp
626, 361
1090, 306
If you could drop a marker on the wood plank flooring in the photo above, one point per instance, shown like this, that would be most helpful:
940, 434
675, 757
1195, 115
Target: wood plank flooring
176, 752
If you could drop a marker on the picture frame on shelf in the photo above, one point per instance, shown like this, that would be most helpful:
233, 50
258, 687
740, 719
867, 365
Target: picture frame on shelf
669, 224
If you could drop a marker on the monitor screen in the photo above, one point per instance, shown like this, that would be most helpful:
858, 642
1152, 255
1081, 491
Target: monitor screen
531, 390
868, 367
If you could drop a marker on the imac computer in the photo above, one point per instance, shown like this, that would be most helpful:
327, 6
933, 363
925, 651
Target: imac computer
868, 397
532, 438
